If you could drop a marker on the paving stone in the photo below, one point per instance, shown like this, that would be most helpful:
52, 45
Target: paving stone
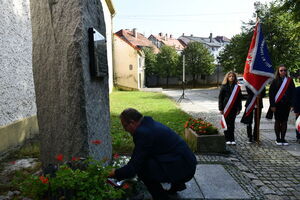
273, 197
243, 168
250, 175
258, 183
266, 190
216, 183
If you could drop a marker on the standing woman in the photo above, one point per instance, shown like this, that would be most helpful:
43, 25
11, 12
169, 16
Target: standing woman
281, 99
230, 104
297, 108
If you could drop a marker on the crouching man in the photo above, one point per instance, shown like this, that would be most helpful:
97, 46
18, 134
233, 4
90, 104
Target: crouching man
159, 155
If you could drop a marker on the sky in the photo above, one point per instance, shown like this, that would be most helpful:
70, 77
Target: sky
197, 17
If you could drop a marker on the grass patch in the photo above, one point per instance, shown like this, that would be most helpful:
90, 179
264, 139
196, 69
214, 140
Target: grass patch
156, 105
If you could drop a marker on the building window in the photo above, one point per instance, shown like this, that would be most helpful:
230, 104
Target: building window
130, 67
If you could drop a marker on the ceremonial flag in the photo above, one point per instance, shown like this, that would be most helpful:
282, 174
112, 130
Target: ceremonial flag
258, 69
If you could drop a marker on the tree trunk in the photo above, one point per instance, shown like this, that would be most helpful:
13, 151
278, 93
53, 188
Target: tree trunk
167, 81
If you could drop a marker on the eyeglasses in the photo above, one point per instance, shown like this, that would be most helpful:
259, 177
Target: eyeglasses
283, 70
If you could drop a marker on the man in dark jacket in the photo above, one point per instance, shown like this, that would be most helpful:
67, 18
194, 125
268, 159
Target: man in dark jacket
159, 155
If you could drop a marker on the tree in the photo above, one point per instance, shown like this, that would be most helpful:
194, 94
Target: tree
199, 61
150, 63
167, 62
278, 28
233, 56
292, 6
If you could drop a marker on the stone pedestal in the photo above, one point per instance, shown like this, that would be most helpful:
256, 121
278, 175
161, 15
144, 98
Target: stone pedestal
205, 143
72, 107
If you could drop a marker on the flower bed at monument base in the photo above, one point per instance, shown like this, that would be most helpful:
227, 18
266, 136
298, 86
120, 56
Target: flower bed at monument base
214, 143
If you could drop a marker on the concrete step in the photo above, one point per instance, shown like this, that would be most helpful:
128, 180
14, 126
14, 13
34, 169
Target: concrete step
212, 182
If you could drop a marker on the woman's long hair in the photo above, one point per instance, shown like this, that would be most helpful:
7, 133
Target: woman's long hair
225, 80
277, 75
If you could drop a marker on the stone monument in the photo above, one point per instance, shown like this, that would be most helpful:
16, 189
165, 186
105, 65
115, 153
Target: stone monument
72, 106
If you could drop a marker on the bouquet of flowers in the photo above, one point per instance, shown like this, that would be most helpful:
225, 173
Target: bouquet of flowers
201, 127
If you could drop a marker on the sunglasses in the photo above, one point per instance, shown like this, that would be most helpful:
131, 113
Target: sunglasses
283, 70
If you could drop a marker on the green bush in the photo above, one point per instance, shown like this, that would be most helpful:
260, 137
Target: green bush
69, 183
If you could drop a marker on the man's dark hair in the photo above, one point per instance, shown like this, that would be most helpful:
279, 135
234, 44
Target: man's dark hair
130, 114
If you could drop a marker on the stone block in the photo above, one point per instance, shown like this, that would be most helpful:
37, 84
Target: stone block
205, 143
72, 106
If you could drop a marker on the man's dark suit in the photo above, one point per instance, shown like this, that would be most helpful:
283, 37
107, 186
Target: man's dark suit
159, 155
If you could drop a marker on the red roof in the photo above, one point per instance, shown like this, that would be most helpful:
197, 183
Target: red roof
170, 41
136, 42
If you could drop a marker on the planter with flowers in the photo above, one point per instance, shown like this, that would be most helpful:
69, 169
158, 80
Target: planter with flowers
203, 137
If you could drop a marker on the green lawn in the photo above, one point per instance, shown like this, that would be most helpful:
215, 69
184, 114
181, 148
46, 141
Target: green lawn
156, 105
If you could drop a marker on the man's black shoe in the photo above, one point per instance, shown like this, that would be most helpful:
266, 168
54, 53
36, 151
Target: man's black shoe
175, 187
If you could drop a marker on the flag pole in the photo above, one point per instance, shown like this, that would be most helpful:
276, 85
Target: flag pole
257, 116
257, 110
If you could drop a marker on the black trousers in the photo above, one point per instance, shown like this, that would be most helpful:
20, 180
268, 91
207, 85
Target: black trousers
155, 189
230, 121
153, 173
255, 128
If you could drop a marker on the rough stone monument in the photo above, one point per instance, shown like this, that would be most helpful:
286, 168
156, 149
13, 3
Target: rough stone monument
72, 106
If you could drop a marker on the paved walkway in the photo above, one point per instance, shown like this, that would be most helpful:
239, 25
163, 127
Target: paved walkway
264, 171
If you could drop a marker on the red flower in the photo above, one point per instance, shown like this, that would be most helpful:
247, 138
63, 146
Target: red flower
12, 162
116, 156
125, 186
59, 157
96, 141
75, 158
44, 179
186, 125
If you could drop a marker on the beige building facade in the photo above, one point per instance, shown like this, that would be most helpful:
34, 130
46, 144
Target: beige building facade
129, 64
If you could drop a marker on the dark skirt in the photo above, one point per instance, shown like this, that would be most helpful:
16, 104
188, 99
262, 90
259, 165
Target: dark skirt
282, 112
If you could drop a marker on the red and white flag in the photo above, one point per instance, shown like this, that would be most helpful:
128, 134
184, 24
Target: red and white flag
258, 69
229, 105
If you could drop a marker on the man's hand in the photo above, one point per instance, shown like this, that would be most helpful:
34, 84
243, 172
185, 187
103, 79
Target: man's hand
221, 112
273, 109
238, 112
112, 173
297, 114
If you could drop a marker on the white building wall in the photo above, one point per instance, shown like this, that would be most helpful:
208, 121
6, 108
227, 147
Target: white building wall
108, 24
17, 96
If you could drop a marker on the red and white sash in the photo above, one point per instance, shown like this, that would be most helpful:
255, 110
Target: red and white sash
251, 105
284, 86
229, 105
298, 124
